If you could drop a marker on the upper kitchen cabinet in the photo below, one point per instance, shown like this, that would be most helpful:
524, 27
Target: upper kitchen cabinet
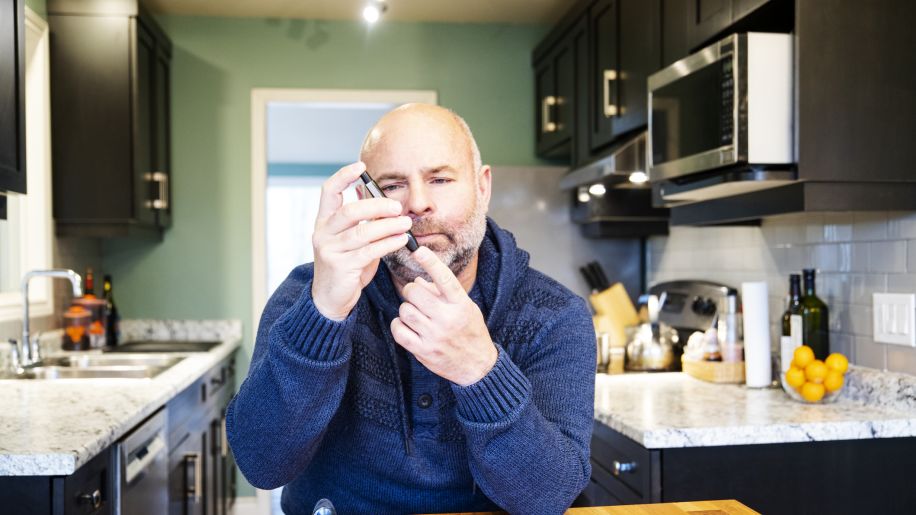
110, 97
625, 47
555, 86
12, 96
709, 20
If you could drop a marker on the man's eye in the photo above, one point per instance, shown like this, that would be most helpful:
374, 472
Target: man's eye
390, 187
441, 180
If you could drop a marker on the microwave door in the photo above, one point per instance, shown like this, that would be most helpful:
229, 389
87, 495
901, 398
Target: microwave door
693, 114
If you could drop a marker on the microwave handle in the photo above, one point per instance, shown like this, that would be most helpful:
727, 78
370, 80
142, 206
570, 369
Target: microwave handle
546, 103
609, 108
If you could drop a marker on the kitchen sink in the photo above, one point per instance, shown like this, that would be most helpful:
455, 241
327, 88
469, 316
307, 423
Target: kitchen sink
56, 372
96, 366
108, 360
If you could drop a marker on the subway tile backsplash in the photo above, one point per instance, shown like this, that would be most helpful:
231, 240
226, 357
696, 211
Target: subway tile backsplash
856, 254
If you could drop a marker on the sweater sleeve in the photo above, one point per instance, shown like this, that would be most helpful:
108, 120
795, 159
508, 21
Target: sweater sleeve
529, 430
294, 387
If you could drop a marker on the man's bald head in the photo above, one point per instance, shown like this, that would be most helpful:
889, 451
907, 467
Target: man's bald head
421, 118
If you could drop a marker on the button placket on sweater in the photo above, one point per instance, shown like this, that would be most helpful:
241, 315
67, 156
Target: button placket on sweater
424, 403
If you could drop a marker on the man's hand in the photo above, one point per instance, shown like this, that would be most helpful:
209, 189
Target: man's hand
347, 252
442, 327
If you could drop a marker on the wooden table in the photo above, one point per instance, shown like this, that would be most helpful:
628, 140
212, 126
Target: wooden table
728, 507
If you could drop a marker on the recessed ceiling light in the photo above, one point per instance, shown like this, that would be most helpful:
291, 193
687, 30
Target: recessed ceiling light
597, 190
373, 11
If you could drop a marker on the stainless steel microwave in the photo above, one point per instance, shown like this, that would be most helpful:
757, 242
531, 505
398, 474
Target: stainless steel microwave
727, 107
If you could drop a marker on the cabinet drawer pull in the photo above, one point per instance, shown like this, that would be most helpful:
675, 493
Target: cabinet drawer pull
618, 468
162, 179
94, 499
547, 125
194, 491
609, 108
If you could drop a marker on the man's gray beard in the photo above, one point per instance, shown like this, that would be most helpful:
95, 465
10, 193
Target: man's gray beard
463, 245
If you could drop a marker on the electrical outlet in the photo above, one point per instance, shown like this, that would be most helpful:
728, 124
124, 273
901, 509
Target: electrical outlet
895, 318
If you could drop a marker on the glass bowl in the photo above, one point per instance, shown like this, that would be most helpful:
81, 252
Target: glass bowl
795, 395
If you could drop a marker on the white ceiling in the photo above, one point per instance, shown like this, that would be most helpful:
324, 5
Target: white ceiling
315, 133
474, 11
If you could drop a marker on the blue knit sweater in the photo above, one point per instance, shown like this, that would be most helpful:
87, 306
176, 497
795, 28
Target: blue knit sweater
339, 410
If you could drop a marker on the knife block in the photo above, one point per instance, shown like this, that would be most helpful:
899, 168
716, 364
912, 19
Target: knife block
614, 312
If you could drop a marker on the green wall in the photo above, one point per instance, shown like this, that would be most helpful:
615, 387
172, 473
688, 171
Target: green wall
202, 268
39, 6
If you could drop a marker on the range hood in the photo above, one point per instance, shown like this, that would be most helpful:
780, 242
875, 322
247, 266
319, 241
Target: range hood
617, 166
610, 197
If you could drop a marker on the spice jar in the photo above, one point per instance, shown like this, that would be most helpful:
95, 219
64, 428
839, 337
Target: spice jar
77, 321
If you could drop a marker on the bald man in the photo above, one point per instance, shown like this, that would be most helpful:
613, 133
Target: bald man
452, 378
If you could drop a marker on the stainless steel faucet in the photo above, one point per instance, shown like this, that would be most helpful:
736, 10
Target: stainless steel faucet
29, 350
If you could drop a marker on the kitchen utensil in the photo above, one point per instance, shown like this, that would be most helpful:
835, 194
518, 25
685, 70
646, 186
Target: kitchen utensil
651, 347
598, 272
613, 305
589, 279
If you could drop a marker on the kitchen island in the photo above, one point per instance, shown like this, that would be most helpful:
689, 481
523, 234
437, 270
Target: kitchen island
670, 437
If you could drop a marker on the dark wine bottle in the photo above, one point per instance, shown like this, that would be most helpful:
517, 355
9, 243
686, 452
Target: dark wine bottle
792, 321
112, 320
815, 319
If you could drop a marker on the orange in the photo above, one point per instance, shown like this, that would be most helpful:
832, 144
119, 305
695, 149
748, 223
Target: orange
838, 362
833, 381
803, 356
816, 371
795, 377
812, 392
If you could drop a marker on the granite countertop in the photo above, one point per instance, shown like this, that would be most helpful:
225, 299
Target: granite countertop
53, 427
669, 410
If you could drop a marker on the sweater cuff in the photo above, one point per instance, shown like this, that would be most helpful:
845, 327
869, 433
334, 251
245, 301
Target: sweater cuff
314, 335
497, 395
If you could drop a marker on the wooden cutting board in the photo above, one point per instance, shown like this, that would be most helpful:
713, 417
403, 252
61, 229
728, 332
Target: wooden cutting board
729, 507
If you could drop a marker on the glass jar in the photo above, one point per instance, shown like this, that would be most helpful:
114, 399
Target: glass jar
77, 322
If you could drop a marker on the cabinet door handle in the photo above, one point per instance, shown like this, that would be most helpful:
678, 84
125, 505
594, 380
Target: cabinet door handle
162, 179
546, 103
618, 468
609, 108
94, 499
224, 440
194, 491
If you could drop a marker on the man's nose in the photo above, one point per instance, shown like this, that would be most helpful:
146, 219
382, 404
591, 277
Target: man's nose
419, 202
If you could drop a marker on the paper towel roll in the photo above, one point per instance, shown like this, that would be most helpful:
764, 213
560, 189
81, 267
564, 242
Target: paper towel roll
757, 354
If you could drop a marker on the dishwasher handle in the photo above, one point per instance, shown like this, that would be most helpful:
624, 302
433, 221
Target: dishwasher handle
139, 460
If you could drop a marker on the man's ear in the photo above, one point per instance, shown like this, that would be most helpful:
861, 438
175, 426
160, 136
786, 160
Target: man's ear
485, 184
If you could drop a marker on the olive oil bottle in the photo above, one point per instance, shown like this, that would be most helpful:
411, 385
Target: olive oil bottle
815, 319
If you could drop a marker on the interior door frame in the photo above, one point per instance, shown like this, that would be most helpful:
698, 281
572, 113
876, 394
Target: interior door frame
260, 98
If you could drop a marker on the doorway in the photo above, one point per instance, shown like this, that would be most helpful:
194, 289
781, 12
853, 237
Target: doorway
300, 137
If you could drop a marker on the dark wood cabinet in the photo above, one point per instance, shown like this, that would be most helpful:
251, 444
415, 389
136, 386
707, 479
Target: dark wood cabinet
12, 97
201, 467
837, 477
88, 491
554, 91
603, 19
674, 19
710, 20
110, 128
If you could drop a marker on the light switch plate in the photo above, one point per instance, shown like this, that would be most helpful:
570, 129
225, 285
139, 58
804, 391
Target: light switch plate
895, 318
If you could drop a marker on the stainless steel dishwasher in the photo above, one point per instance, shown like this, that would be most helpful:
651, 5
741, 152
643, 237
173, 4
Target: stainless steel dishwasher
141, 469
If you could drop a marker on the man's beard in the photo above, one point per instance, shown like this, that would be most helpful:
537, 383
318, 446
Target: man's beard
457, 254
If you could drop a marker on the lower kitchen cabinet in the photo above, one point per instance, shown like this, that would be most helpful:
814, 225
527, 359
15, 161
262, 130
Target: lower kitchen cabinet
88, 491
201, 467
836, 477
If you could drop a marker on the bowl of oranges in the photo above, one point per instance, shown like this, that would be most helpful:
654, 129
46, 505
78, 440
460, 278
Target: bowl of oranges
812, 380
